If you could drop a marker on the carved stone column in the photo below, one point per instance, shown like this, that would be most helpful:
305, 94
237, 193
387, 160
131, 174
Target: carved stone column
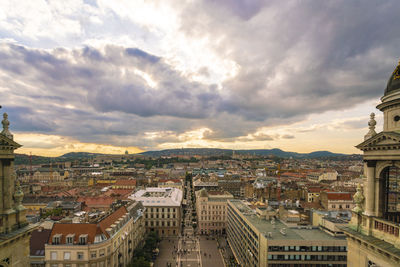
370, 188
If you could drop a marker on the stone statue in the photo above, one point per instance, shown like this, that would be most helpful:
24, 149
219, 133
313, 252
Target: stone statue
18, 196
358, 199
6, 124
371, 124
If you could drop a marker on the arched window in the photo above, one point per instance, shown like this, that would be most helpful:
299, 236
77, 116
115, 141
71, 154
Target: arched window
392, 196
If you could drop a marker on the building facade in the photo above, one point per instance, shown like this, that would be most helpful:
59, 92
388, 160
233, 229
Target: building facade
258, 240
110, 242
14, 229
337, 200
373, 232
211, 210
163, 209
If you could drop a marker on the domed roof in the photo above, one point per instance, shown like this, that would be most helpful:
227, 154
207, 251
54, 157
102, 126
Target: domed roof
394, 81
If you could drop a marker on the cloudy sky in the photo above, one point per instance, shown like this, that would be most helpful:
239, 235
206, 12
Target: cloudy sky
106, 76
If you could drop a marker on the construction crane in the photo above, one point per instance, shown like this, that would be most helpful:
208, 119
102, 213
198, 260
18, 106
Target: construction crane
30, 167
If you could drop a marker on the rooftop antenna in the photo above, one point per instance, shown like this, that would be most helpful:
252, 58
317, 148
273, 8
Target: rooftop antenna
279, 184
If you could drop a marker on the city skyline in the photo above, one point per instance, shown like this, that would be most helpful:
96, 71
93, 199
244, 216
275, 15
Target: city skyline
100, 76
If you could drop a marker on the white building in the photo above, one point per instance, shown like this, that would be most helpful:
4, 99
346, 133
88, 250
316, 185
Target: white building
163, 209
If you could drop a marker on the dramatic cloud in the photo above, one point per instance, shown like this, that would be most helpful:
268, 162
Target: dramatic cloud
166, 73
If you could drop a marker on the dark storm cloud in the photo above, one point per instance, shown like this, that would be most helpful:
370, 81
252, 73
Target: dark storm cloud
295, 58
109, 81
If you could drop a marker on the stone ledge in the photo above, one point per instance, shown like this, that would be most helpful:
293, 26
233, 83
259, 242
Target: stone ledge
373, 241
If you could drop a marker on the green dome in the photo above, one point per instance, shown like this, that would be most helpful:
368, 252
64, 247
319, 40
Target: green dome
394, 81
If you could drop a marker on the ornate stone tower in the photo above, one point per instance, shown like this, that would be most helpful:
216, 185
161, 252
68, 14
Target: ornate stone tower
373, 233
11, 216
14, 229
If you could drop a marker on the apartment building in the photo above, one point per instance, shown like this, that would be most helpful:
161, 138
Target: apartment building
163, 209
212, 211
337, 200
231, 184
108, 242
258, 240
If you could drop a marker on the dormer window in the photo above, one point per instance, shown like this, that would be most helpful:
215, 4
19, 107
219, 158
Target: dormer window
70, 239
83, 239
57, 239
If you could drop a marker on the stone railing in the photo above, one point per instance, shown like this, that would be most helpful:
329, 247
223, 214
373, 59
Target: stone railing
386, 230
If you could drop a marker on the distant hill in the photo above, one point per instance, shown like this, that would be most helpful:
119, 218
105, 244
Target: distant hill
24, 159
80, 155
228, 152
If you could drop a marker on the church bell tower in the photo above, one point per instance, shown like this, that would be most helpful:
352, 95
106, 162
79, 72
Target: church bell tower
373, 233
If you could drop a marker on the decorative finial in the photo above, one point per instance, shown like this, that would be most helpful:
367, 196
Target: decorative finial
358, 199
371, 124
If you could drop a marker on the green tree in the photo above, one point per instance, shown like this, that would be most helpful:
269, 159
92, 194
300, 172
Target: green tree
139, 262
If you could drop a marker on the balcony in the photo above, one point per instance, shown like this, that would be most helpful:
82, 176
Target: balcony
386, 230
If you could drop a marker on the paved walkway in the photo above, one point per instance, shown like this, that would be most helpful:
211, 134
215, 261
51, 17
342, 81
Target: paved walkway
167, 253
189, 250
210, 254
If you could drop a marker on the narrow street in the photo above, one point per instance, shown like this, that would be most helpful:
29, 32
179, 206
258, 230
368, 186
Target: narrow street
189, 249
189, 244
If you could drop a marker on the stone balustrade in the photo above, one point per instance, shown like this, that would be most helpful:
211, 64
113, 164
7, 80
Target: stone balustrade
386, 230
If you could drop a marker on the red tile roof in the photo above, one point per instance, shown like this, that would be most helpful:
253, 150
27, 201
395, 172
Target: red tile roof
105, 223
126, 182
96, 201
339, 196
74, 228
314, 190
90, 229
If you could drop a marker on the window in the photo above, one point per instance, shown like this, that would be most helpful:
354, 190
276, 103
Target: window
54, 265
93, 254
101, 252
83, 239
67, 265
67, 255
53, 255
79, 255
57, 239
70, 239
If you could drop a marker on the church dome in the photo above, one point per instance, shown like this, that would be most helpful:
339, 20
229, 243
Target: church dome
394, 81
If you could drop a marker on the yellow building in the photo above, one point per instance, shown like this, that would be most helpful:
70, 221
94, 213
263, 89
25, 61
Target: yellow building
109, 242
14, 229
212, 211
373, 233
